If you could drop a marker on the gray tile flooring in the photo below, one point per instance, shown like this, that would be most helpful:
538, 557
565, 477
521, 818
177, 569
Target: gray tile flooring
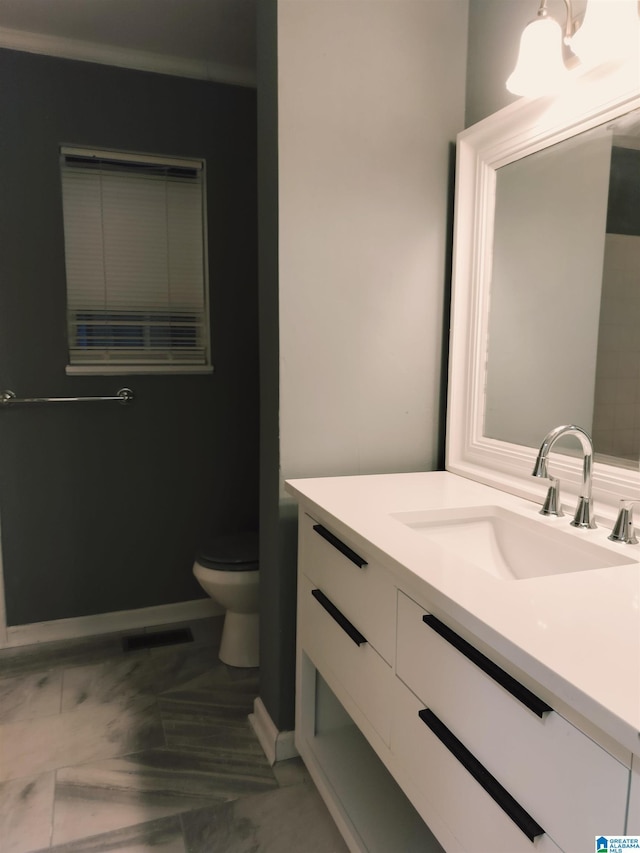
150, 750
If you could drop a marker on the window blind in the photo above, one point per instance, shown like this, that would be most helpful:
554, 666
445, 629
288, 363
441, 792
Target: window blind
135, 259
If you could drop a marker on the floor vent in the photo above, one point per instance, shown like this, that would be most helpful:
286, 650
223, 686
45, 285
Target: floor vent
135, 642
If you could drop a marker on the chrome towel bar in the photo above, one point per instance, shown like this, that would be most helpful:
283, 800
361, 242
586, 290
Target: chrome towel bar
8, 398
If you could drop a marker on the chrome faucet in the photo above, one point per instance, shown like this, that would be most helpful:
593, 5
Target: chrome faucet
582, 517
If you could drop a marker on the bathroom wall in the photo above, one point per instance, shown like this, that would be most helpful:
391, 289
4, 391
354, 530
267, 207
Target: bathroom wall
369, 101
364, 136
494, 37
102, 507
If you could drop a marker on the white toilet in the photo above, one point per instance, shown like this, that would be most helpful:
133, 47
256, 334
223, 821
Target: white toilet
226, 567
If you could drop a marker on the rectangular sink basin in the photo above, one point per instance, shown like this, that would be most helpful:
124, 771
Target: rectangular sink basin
510, 546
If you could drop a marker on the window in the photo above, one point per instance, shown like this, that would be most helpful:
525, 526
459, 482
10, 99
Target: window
135, 253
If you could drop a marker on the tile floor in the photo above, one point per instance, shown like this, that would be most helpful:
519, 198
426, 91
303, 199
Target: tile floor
150, 750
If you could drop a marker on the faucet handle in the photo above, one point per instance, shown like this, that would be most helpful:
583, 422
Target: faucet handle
623, 530
552, 505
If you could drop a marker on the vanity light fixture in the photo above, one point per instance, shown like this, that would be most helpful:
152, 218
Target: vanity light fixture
541, 68
608, 31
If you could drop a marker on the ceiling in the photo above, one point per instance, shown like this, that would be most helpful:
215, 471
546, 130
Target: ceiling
210, 39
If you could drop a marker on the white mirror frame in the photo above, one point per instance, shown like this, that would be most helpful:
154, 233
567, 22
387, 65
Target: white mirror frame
506, 136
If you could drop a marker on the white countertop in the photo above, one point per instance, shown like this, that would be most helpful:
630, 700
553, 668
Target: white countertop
576, 635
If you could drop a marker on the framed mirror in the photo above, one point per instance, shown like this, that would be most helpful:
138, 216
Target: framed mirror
546, 291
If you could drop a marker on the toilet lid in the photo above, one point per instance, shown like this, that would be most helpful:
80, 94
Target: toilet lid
237, 552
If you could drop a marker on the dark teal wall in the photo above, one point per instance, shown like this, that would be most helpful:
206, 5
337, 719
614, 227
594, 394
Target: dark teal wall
278, 522
102, 507
623, 212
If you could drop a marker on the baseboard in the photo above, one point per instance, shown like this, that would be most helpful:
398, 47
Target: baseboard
105, 623
277, 746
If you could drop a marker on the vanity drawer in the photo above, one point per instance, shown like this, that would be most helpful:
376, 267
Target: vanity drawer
449, 789
357, 585
572, 785
336, 650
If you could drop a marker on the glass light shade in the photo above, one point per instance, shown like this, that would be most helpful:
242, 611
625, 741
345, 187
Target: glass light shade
540, 68
610, 32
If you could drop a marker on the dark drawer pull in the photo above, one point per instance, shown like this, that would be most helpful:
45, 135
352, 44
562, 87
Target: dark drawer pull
342, 620
521, 693
502, 797
344, 549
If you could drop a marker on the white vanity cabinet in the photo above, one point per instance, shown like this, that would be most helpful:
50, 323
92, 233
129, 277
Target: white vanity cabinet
633, 821
547, 776
363, 589
345, 658
484, 762
347, 619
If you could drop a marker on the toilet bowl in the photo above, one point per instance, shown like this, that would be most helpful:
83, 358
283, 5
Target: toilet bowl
226, 567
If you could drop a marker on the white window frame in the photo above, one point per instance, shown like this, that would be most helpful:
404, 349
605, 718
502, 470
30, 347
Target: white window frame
119, 329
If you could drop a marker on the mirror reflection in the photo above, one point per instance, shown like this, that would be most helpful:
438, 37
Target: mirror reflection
564, 318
